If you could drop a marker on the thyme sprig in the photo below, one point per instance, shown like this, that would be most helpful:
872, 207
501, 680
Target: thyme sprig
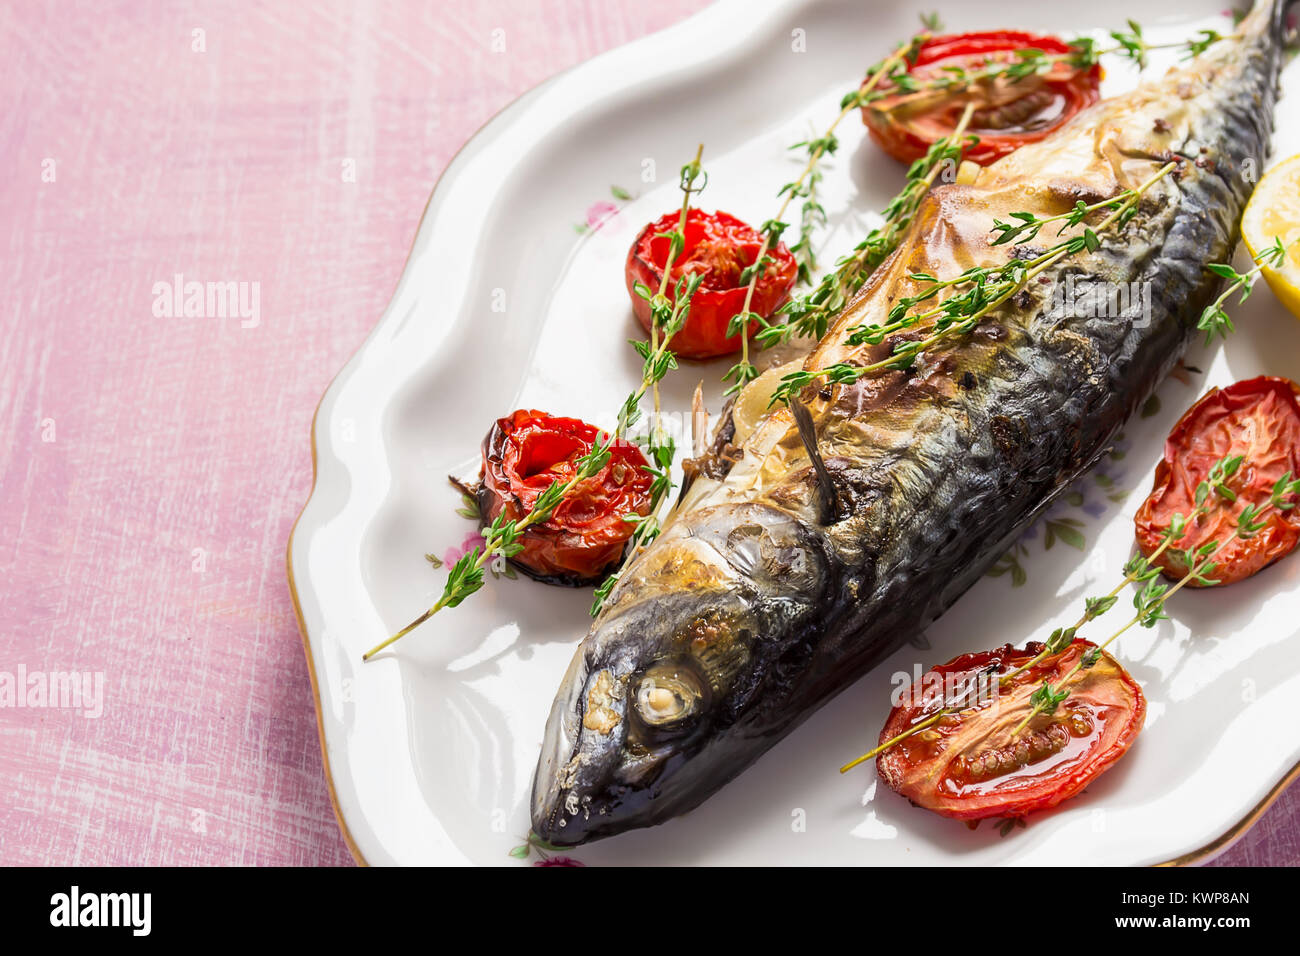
803, 187
501, 538
811, 314
932, 22
664, 310
984, 290
1215, 319
1150, 600
1214, 490
670, 316
1025, 226
1084, 53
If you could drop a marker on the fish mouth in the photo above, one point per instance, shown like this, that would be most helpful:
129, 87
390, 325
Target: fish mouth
574, 794
629, 718
602, 770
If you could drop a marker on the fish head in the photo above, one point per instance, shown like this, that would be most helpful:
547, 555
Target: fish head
652, 700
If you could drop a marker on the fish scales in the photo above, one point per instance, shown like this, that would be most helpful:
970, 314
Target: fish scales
755, 607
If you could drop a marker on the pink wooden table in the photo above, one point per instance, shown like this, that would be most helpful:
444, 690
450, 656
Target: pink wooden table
153, 464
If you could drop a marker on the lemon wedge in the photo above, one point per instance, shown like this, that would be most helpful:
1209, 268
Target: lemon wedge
1274, 211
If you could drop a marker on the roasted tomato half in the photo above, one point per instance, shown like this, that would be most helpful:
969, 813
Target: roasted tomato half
584, 538
1008, 113
720, 247
1258, 419
969, 765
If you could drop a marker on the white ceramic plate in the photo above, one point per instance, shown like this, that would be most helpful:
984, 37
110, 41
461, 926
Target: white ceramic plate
505, 303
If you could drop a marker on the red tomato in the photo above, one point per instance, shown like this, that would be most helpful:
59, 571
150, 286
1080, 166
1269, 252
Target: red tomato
720, 247
585, 535
1259, 419
1008, 114
969, 766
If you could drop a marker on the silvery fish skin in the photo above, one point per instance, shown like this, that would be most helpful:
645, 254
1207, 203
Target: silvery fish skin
762, 600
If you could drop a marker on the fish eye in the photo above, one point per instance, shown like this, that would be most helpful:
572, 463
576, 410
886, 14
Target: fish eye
663, 701
668, 696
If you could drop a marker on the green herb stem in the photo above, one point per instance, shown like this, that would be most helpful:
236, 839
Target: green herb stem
502, 536
744, 372
810, 314
1029, 62
1214, 319
1212, 491
466, 576
1248, 525
960, 314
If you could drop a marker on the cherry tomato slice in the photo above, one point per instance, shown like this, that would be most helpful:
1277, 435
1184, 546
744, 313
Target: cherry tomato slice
720, 247
969, 766
1008, 114
1259, 419
584, 537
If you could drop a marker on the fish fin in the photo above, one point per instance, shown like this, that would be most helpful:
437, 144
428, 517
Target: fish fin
828, 497
699, 445
699, 421
466, 485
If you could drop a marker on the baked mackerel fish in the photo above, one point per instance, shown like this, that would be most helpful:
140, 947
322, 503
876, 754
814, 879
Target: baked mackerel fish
779, 582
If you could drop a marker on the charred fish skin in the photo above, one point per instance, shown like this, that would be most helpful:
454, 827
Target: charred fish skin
755, 607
